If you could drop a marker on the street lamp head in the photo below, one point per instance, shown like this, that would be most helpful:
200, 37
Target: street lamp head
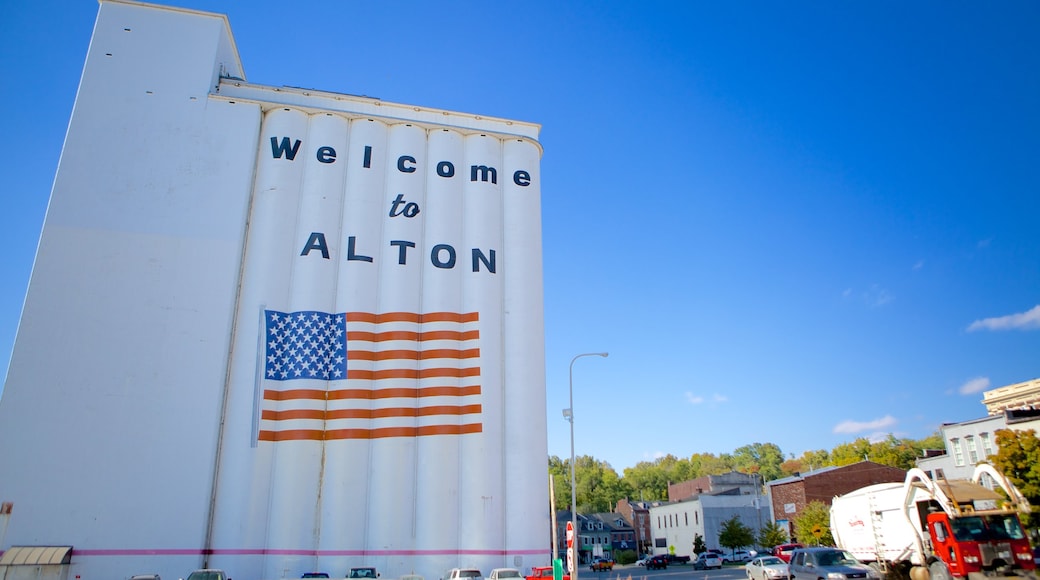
568, 414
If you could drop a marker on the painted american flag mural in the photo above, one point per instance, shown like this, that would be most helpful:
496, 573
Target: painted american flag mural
359, 375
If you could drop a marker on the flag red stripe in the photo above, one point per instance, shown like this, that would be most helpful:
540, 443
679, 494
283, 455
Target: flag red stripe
341, 394
412, 373
354, 354
370, 413
318, 435
361, 335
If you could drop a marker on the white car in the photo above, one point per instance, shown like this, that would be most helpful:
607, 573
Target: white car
642, 561
738, 556
505, 574
767, 568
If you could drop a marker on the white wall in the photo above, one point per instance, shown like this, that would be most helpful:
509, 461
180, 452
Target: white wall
131, 412
680, 522
110, 413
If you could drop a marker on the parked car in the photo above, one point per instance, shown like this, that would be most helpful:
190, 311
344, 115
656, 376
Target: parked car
544, 573
366, 572
783, 551
737, 556
707, 561
767, 568
208, 574
642, 561
673, 559
505, 574
816, 563
658, 562
308, 575
601, 565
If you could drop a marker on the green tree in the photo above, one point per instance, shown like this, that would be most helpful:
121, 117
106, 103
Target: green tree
849, 453
809, 461
709, 464
624, 557
771, 534
762, 458
597, 485
698, 544
560, 470
734, 534
648, 481
815, 517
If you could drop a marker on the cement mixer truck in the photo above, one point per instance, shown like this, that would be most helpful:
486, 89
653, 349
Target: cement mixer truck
939, 529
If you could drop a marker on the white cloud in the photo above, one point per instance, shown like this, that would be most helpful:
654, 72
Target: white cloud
694, 399
1028, 320
976, 385
860, 426
919, 265
719, 398
877, 296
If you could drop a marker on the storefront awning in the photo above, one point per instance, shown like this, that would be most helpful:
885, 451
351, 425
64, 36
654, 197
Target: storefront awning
36, 555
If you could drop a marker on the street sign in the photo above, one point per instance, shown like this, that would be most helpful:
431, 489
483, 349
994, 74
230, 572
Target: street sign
570, 547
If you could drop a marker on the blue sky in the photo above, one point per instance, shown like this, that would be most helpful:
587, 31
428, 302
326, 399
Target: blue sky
797, 223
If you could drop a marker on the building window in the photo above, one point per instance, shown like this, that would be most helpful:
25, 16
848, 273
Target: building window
973, 452
987, 445
958, 453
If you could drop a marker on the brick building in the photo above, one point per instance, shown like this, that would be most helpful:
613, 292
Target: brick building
790, 495
712, 484
637, 514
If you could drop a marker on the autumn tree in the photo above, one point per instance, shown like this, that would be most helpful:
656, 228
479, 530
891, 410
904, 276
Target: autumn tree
816, 517
1018, 458
809, 461
761, 458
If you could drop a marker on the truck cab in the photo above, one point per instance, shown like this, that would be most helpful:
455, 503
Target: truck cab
979, 542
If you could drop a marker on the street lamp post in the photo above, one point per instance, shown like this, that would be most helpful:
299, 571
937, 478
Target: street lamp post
568, 414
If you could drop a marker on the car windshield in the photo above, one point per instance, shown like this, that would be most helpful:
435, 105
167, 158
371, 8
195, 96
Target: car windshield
771, 561
206, 575
835, 558
469, 574
508, 574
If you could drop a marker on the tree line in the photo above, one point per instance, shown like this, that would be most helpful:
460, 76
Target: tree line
598, 486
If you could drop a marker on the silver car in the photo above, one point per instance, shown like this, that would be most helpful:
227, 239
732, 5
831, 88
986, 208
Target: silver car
767, 568
829, 564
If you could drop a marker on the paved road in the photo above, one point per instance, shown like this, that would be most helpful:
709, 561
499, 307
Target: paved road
633, 572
